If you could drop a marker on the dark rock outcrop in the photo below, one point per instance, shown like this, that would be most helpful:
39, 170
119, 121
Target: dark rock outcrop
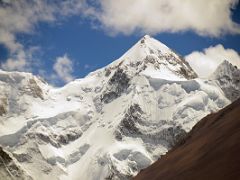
133, 124
117, 85
3, 106
128, 125
35, 90
9, 170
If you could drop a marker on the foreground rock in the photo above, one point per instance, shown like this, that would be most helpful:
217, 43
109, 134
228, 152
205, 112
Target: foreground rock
210, 151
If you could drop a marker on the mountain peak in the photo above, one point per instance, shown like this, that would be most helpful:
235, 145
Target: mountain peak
151, 43
228, 77
146, 36
225, 68
153, 58
226, 63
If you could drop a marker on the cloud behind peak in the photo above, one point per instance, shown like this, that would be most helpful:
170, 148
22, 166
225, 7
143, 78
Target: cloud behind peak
206, 18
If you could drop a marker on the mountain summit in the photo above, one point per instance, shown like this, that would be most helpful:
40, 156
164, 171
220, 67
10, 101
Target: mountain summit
108, 125
228, 77
153, 58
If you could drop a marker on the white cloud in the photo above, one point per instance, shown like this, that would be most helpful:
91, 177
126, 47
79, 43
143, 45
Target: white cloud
63, 68
16, 62
21, 17
206, 17
204, 63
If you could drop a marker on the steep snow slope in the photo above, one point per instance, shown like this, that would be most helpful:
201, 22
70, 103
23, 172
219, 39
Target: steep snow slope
110, 124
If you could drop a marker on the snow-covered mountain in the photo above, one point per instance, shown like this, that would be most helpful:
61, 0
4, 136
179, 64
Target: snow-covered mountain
228, 77
108, 125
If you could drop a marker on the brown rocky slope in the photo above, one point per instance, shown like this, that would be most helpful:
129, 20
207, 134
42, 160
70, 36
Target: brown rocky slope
210, 151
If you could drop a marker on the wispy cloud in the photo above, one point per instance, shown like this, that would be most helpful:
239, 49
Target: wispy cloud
205, 17
21, 17
204, 63
63, 69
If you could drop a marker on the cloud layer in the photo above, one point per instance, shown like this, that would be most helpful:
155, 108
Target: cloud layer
204, 63
205, 17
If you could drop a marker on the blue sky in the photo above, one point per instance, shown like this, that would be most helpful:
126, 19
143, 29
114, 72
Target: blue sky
90, 46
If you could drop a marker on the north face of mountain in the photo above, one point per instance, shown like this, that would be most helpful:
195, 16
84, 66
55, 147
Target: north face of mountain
110, 124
